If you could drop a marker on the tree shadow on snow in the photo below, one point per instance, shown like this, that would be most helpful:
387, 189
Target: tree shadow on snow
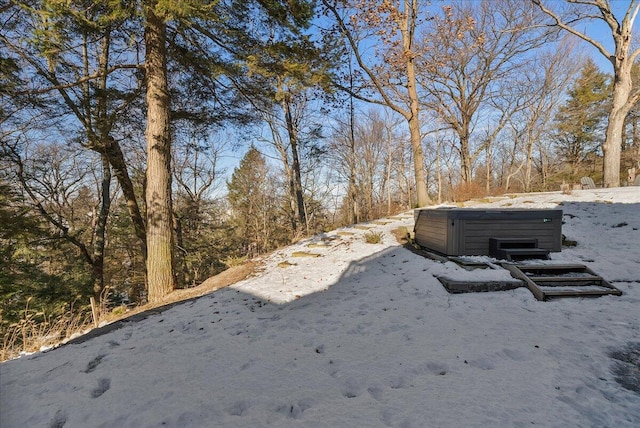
626, 367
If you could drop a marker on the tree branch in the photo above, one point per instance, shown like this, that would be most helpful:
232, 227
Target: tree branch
564, 26
356, 51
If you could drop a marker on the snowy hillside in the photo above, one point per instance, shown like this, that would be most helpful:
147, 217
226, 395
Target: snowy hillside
364, 335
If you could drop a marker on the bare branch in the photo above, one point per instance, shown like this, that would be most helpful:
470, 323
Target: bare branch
559, 22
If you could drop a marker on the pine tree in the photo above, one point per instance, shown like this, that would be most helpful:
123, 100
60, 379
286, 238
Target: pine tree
580, 121
255, 204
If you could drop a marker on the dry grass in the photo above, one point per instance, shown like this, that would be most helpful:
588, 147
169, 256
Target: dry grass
305, 254
286, 264
472, 191
402, 235
37, 330
373, 237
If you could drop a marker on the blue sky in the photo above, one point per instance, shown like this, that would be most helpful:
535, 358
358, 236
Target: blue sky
598, 30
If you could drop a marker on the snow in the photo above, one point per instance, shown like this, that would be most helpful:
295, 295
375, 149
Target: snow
364, 335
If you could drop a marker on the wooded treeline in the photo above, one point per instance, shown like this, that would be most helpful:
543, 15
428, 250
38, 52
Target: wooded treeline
117, 121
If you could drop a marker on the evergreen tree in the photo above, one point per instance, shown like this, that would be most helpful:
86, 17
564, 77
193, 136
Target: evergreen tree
580, 121
255, 204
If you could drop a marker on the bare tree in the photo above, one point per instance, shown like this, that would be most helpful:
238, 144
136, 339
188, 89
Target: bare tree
394, 144
287, 128
371, 164
548, 81
389, 76
57, 183
342, 152
625, 96
198, 175
545, 82
370, 147
471, 52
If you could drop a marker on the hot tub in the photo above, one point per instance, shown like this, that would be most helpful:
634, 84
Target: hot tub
467, 231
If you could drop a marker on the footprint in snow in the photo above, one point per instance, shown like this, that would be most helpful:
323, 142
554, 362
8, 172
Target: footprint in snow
481, 363
515, 354
399, 382
295, 410
353, 387
238, 408
93, 364
103, 386
59, 419
375, 392
439, 369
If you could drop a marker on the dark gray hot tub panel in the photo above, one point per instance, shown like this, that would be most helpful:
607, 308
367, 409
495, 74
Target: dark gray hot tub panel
468, 231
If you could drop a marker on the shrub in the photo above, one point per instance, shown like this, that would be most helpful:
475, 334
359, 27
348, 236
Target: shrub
373, 237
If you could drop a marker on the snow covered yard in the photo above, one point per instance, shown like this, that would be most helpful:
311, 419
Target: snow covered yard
364, 336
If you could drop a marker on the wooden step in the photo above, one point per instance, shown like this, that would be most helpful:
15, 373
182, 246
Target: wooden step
578, 280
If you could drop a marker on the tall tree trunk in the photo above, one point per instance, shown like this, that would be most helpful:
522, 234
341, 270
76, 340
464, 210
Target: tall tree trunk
489, 167
160, 248
407, 29
465, 159
284, 156
418, 161
405, 17
288, 172
634, 127
100, 226
354, 206
292, 200
100, 231
113, 151
354, 211
620, 107
297, 179
389, 166
528, 164
108, 147
439, 165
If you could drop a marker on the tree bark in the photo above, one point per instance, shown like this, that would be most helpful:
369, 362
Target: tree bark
160, 248
620, 107
489, 167
407, 29
113, 152
465, 158
295, 160
100, 231
354, 209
